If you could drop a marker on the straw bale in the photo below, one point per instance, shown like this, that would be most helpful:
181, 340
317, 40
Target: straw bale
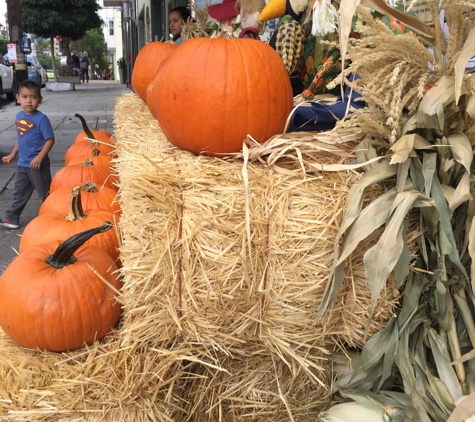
97, 383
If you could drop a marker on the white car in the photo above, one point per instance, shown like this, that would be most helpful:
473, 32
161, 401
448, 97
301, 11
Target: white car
6, 79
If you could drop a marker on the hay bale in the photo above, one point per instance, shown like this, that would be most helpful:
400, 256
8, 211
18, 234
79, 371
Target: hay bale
219, 257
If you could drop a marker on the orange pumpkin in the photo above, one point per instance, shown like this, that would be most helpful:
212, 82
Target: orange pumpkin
51, 299
81, 173
98, 135
86, 148
147, 63
57, 226
213, 92
95, 157
92, 198
149, 100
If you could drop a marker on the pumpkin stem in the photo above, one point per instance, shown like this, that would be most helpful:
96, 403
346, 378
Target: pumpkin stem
89, 186
96, 152
85, 128
63, 255
87, 162
75, 206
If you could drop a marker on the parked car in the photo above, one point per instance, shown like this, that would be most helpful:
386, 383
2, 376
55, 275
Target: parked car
36, 72
6, 79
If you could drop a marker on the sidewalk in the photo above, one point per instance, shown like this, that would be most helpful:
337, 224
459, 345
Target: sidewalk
91, 100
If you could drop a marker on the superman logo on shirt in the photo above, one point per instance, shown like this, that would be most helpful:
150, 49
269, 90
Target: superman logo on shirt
24, 126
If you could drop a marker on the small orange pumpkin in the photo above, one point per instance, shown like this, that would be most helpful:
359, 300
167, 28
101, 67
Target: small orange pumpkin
95, 157
227, 89
57, 226
54, 297
147, 63
81, 173
86, 133
92, 198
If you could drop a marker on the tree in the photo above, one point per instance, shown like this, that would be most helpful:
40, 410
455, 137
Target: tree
95, 44
68, 19
3, 45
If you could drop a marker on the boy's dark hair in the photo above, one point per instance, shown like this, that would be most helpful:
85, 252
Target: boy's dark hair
30, 85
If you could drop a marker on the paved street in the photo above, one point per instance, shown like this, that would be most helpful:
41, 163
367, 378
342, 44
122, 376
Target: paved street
95, 99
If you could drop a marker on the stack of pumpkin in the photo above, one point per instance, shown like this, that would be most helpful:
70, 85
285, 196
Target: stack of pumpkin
45, 308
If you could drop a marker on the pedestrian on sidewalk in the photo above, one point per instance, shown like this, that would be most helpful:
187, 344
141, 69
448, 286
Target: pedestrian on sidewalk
35, 138
75, 62
85, 67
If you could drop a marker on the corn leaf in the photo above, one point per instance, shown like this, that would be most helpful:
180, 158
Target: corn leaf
380, 259
410, 302
445, 224
354, 201
401, 270
461, 149
376, 347
413, 383
461, 194
442, 362
470, 107
431, 108
462, 61
405, 144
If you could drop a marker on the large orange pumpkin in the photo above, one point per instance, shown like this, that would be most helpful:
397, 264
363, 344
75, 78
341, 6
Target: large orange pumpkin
58, 226
81, 173
213, 92
149, 100
92, 198
147, 63
58, 297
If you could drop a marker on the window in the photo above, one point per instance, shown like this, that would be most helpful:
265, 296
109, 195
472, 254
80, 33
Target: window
111, 27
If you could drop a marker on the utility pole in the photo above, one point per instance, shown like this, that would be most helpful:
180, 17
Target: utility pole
16, 33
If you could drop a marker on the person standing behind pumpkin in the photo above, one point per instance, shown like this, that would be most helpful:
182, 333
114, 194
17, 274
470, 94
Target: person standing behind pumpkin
85, 67
176, 19
35, 138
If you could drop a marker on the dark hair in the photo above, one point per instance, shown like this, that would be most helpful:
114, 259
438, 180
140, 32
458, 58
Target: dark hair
183, 11
30, 85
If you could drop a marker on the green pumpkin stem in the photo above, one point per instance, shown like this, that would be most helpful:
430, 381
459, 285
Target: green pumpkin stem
63, 255
75, 206
85, 128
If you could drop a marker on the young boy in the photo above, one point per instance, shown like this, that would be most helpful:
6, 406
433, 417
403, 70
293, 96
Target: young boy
35, 139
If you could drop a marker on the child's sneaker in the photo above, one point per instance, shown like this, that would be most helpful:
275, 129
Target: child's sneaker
9, 223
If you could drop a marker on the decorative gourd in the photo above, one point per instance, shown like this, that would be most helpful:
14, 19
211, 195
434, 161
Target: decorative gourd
92, 198
60, 296
96, 157
147, 63
57, 226
99, 135
213, 92
81, 173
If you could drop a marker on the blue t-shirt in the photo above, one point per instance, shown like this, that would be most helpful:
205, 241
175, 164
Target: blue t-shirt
32, 132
